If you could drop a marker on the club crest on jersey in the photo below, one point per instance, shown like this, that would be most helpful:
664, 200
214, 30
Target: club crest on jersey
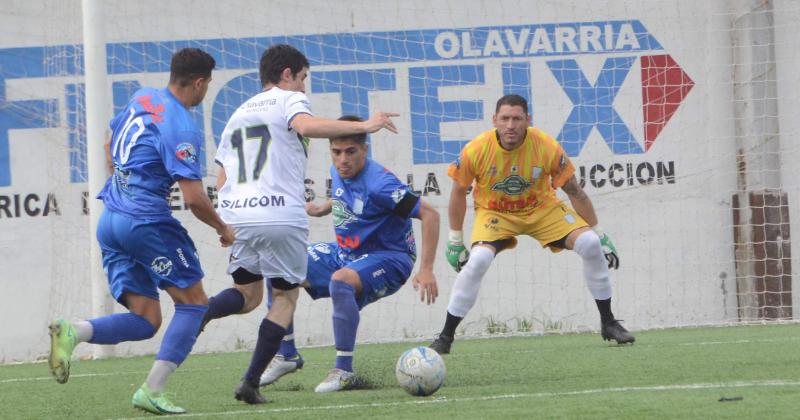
185, 151
161, 265
342, 216
512, 185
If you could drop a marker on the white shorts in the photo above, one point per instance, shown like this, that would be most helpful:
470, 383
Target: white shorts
272, 251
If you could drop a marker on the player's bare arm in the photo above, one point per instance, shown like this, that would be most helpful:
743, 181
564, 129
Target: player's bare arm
425, 281
319, 210
195, 197
315, 127
580, 201
457, 207
222, 176
109, 160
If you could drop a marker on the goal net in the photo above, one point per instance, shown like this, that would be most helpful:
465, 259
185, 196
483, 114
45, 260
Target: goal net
680, 117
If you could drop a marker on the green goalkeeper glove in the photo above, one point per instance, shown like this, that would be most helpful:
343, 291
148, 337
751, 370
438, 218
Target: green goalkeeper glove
609, 250
457, 254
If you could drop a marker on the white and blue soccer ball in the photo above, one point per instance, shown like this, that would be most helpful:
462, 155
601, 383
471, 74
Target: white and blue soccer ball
420, 371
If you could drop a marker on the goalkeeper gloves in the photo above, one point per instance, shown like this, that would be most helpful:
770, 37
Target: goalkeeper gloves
457, 254
609, 250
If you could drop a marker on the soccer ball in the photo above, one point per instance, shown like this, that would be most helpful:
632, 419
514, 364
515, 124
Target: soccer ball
420, 371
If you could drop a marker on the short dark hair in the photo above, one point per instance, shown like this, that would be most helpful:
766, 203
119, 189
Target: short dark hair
278, 57
190, 64
513, 100
360, 138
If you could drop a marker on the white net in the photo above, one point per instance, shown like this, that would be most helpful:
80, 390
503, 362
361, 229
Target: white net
679, 116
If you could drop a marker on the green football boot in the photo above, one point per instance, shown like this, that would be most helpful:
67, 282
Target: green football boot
154, 402
63, 339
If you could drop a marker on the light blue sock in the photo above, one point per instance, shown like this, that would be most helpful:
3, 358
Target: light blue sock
345, 323
181, 333
116, 328
288, 349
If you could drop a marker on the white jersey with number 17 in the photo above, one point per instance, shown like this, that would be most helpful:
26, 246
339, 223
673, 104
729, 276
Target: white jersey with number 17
265, 162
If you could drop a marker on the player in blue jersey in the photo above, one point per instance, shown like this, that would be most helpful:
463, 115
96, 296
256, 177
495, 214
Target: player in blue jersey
154, 144
372, 257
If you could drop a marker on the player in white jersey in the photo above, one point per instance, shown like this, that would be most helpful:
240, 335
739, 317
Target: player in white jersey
262, 155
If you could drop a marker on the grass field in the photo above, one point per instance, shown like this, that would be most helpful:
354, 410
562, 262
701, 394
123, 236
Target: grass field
712, 373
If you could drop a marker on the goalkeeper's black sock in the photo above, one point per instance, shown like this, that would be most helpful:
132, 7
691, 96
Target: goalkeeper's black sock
604, 306
450, 325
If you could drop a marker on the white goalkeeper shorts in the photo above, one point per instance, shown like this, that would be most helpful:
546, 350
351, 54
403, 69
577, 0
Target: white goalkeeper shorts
272, 251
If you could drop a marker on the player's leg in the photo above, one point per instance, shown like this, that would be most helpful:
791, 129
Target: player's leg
465, 291
140, 323
245, 295
345, 286
191, 304
174, 266
322, 262
492, 232
370, 278
270, 334
248, 288
288, 359
282, 259
586, 244
129, 283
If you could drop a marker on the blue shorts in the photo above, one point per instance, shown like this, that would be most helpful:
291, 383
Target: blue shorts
382, 273
141, 256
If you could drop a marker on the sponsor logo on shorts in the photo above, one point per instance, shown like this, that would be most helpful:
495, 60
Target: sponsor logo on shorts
182, 257
323, 248
379, 272
161, 265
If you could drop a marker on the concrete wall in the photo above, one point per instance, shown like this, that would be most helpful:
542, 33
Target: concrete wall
583, 64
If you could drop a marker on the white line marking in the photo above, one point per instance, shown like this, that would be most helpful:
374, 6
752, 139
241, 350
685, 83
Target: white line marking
95, 375
443, 400
762, 340
458, 356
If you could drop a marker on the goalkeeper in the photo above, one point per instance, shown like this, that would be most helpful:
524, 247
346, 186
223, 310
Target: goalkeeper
515, 170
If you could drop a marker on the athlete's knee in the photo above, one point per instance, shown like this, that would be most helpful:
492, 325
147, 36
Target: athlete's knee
345, 276
587, 245
149, 309
253, 294
284, 292
192, 295
480, 259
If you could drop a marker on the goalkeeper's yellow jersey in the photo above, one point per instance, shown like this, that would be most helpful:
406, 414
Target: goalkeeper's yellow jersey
517, 181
